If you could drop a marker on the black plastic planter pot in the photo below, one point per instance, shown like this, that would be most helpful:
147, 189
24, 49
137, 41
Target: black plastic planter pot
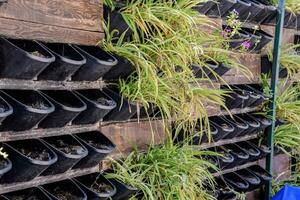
98, 63
264, 121
23, 59
124, 192
236, 182
116, 22
240, 126
202, 137
98, 147
224, 127
28, 194
240, 155
220, 8
224, 192
96, 186
242, 8
255, 9
266, 67
236, 99
261, 173
225, 161
121, 70
272, 14
261, 16
253, 40
67, 61
205, 71
290, 20
67, 106
222, 69
204, 7
5, 109
124, 109
253, 151
238, 39
98, 106
256, 97
298, 21
66, 189
5, 166
263, 37
29, 108
69, 152
30, 158
253, 180
254, 124
263, 147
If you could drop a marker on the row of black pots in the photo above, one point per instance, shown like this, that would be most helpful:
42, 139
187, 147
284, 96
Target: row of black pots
23, 59
243, 180
257, 39
244, 96
211, 70
228, 127
266, 67
54, 155
88, 187
232, 155
254, 11
25, 109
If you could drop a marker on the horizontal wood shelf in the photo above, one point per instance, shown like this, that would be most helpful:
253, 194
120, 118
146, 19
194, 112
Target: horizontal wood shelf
46, 179
226, 171
49, 85
226, 141
39, 133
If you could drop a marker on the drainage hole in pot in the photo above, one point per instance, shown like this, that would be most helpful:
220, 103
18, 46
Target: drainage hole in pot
68, 148
62, 194
35, 153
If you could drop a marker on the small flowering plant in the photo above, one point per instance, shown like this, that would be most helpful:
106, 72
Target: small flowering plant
2, 153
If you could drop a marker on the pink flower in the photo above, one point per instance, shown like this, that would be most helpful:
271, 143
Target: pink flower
246, 44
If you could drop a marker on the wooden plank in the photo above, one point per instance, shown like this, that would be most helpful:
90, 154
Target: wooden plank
39, 133
46, 179
226, 171
51, 85
126, 136
79, 14
33, 31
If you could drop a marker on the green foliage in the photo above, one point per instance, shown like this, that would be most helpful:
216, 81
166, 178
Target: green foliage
289, 58
287, 137
167, 172
291, 5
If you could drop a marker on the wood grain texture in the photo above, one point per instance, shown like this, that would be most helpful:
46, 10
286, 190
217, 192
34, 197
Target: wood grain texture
78, 14
33, 31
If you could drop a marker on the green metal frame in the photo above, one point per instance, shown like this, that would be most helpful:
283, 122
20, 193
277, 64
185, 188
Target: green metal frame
274, 81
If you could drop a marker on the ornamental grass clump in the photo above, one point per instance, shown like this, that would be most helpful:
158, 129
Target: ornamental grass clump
167, 172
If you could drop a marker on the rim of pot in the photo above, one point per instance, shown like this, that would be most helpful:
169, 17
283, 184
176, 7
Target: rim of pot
228, 158
7, 168
72, 109
260, 172
8, 111
73, 156
264, 34
51, 57
271, 8
245, 177
121, 97
65, 59
240, 121
264, 120
233, 183
222, 128
252, 173
232, 150
212, 64
244, 147
257, 123
49, 109
104, 138
113, 192
252, 32
53, 159
98, 105
244, 2
108, 63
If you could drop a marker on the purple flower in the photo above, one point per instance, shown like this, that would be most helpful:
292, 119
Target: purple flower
228, 30
246, 44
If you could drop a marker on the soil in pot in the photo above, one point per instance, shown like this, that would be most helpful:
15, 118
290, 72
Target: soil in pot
98, 106
68, 61
65, 190
67, 106
29, 157
29, 108
69, 150
98, 146
28, 194
97, 65
33, 56
96, 186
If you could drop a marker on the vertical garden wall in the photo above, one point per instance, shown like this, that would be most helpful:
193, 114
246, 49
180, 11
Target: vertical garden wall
145, 99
